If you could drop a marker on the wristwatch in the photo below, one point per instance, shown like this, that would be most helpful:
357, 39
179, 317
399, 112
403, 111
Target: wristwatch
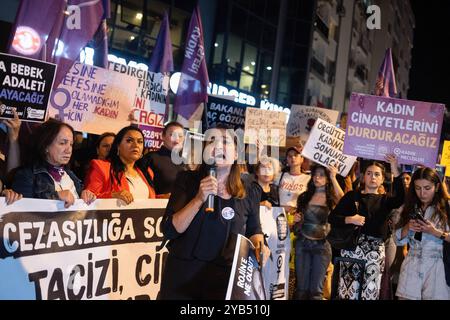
443, 235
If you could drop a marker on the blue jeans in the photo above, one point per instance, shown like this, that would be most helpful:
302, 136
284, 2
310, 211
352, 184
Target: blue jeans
312, 258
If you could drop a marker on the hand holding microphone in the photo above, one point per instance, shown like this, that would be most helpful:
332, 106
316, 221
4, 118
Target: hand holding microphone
207, 190
210, 205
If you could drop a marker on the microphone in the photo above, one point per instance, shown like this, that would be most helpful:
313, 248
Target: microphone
210, 206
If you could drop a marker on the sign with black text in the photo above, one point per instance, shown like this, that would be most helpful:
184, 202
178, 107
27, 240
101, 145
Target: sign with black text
325, 146
25, 86
100, 251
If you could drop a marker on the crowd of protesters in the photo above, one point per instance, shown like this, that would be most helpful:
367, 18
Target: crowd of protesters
400, 241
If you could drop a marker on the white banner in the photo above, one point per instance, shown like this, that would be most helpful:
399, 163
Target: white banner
274, 225
325, 145
100, 251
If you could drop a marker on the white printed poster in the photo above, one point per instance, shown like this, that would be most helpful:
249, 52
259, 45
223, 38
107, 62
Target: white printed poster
274, 225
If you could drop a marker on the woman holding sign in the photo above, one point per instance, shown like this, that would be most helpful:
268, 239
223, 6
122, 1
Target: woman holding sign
202, 241
369, 210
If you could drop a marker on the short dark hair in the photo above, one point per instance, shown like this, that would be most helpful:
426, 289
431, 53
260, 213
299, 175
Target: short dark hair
171, 124
44, 135
103, 136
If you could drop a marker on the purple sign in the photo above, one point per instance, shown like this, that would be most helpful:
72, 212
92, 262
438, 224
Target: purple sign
377, 126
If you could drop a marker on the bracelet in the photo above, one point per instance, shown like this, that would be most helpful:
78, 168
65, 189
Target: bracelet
443, 235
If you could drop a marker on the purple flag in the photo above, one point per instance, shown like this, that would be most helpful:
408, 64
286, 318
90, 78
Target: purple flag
63, 33
162, 57
192, 89
35, 21
101, 46
101, 38
386, 85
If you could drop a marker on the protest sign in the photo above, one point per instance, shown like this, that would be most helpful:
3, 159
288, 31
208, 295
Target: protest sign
275, 227
100, 251
325, 145
302, 119
445, 159
266, 125
25, 86
377, 126
149, 104
224, 111
93, 99
245, 281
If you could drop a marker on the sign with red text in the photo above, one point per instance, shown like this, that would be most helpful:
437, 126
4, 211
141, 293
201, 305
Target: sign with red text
94, 100
149, 104
100, 251
377, 126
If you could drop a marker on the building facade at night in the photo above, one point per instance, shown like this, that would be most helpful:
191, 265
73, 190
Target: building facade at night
275, 52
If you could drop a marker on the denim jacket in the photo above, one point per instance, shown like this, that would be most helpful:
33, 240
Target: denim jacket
35, 182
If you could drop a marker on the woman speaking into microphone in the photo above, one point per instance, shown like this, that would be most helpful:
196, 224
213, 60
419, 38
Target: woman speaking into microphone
201, 242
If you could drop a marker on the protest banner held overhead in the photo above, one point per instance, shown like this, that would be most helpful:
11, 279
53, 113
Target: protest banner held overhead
93, 99
25, 86
377, 126
100, 251
302, 119
266, 125
325, 145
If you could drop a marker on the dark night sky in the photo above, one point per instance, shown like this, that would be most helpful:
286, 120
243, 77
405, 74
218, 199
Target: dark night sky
430, 70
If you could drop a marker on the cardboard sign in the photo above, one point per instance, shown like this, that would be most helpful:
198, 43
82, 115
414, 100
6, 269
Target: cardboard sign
325, 145
93, 99
302, 119
266, 125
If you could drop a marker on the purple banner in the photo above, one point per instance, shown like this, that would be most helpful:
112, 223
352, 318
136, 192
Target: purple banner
377, 126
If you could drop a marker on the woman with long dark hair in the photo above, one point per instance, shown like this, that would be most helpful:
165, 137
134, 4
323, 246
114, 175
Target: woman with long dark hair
424, 225
312, 250
201, 243
369, 209
123, 176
